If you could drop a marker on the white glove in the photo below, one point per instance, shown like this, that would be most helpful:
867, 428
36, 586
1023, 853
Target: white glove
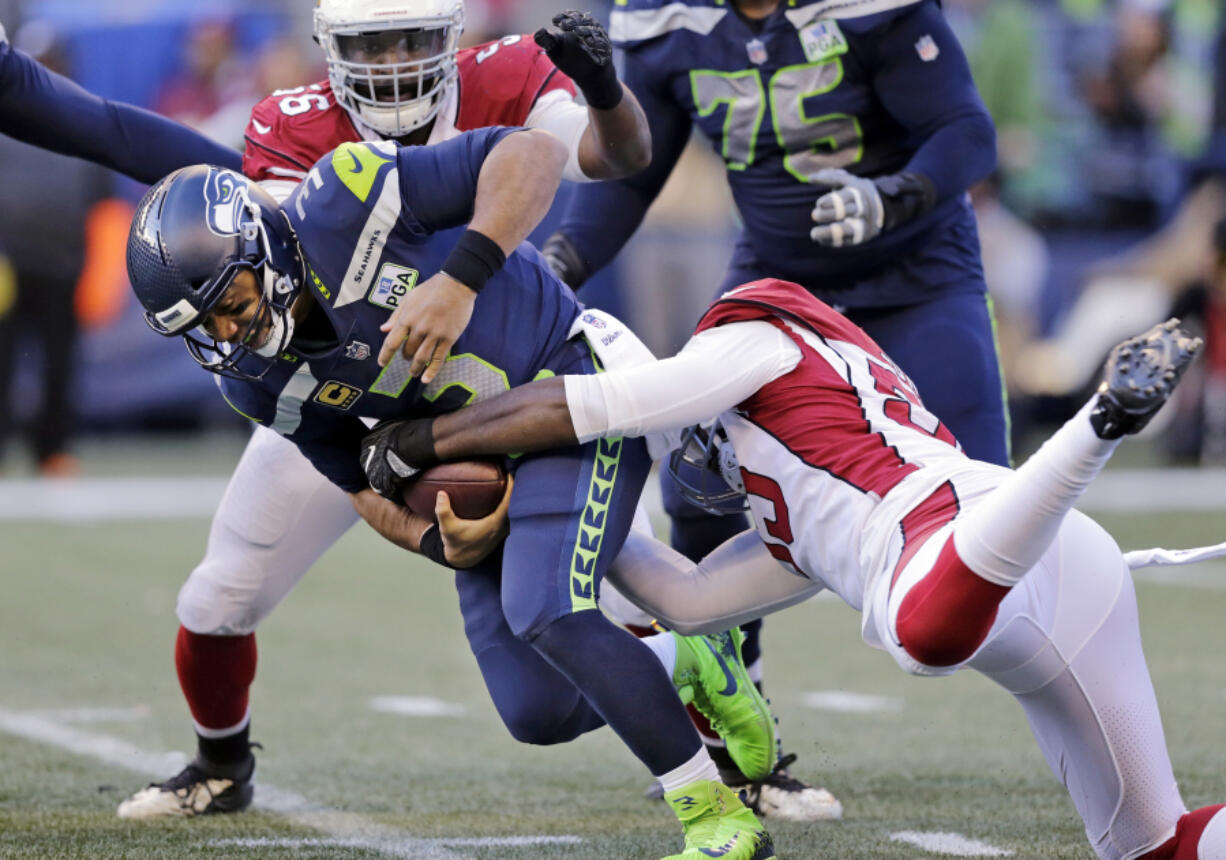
850, 213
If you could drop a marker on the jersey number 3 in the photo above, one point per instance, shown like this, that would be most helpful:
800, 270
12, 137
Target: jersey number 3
809, 143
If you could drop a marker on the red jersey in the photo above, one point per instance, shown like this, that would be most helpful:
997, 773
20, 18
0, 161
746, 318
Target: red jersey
498, 83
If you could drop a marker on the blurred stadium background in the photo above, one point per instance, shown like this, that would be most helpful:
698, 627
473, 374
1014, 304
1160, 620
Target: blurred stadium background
1102, 218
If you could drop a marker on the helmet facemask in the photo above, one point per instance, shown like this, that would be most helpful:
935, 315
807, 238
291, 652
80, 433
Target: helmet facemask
393, 75
272, 324
706, 471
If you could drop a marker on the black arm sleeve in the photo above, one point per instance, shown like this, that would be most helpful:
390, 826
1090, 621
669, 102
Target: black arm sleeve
42, 108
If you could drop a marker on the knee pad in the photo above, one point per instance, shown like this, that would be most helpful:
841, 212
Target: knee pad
222, 597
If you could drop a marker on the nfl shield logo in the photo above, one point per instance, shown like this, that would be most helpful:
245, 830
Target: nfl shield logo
357, 350
756, 50
927, 49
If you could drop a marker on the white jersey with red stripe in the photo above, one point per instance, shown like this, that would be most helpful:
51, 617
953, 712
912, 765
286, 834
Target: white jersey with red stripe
839, 454
498, 83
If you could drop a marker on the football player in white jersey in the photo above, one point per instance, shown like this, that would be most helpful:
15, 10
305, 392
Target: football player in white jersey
857, 488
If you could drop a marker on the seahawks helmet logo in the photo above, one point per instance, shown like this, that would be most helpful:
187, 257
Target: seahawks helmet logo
225, 199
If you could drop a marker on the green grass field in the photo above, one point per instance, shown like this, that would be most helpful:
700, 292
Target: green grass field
87, 622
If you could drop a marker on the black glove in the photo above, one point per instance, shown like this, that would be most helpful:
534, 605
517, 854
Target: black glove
394, 451
565, 261
579, 46
857, 209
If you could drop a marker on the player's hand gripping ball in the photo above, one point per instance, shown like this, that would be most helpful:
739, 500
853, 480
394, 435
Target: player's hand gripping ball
475, 487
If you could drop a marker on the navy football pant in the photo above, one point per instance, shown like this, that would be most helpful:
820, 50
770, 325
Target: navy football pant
555, 667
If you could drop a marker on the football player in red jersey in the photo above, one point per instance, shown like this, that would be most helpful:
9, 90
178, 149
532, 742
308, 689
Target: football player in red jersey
859, 489
394, 72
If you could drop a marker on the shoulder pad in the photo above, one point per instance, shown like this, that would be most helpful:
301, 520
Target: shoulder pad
283, 144
853, 17
633, 22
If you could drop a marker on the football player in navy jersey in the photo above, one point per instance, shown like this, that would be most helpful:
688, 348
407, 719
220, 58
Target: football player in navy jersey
295, 307
851, 133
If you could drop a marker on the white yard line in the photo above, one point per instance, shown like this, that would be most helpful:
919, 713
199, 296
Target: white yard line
845, 702
339, 827
954, 844
415, 706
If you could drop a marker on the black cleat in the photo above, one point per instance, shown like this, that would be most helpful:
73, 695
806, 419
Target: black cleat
201, 788
1139, 377
781, 795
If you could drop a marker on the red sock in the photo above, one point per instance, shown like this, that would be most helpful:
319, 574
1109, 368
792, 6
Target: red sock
1185, 844
949, 612
215, 673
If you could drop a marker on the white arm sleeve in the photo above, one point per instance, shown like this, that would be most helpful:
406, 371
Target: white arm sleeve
737, 582
716, 370
558, 113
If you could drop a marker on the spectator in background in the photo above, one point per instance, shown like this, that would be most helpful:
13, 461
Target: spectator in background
1130, 170
42, 233
215, 90
1199, 433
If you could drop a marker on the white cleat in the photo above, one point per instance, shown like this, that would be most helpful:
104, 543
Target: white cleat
195, 790
780, 795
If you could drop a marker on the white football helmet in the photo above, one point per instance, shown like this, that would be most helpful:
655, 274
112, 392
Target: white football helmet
390, 62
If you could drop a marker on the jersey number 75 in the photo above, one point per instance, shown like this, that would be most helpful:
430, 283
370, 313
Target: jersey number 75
809, 143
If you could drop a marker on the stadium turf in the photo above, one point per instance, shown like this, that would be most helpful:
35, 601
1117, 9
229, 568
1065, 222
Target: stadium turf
89, 703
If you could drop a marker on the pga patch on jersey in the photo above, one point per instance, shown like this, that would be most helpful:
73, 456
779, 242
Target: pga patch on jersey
392, 285
823, 40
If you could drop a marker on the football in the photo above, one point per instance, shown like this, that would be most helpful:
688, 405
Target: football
475, 488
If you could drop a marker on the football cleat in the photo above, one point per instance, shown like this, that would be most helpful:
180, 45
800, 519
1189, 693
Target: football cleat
201, 788
1139, 376
781, 795
717, 824
711, 674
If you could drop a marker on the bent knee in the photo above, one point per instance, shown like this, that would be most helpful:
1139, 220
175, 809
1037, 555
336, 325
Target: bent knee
531, 725
214, 602
938, 643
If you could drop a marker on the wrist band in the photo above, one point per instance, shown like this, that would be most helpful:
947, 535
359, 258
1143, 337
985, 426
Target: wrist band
474, 260
432, 546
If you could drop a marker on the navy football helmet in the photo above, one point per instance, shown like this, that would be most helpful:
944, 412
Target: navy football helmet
706, 471
192, 233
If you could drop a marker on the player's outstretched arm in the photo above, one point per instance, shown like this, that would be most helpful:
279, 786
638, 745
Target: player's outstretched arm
514, 189
45, 109
616, 141
717, 369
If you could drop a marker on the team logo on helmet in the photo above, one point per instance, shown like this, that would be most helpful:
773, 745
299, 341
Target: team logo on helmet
225, 198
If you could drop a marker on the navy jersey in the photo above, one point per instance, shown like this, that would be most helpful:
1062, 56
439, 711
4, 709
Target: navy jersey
873, 87
42, 108
366, 217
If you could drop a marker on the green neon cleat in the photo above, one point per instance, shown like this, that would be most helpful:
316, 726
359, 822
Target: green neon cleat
711, 674
717, 824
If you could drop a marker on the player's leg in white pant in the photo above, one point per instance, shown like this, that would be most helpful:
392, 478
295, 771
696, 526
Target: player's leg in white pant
276, 518
1067, 644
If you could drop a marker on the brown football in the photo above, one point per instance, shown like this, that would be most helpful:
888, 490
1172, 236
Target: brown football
475, 488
